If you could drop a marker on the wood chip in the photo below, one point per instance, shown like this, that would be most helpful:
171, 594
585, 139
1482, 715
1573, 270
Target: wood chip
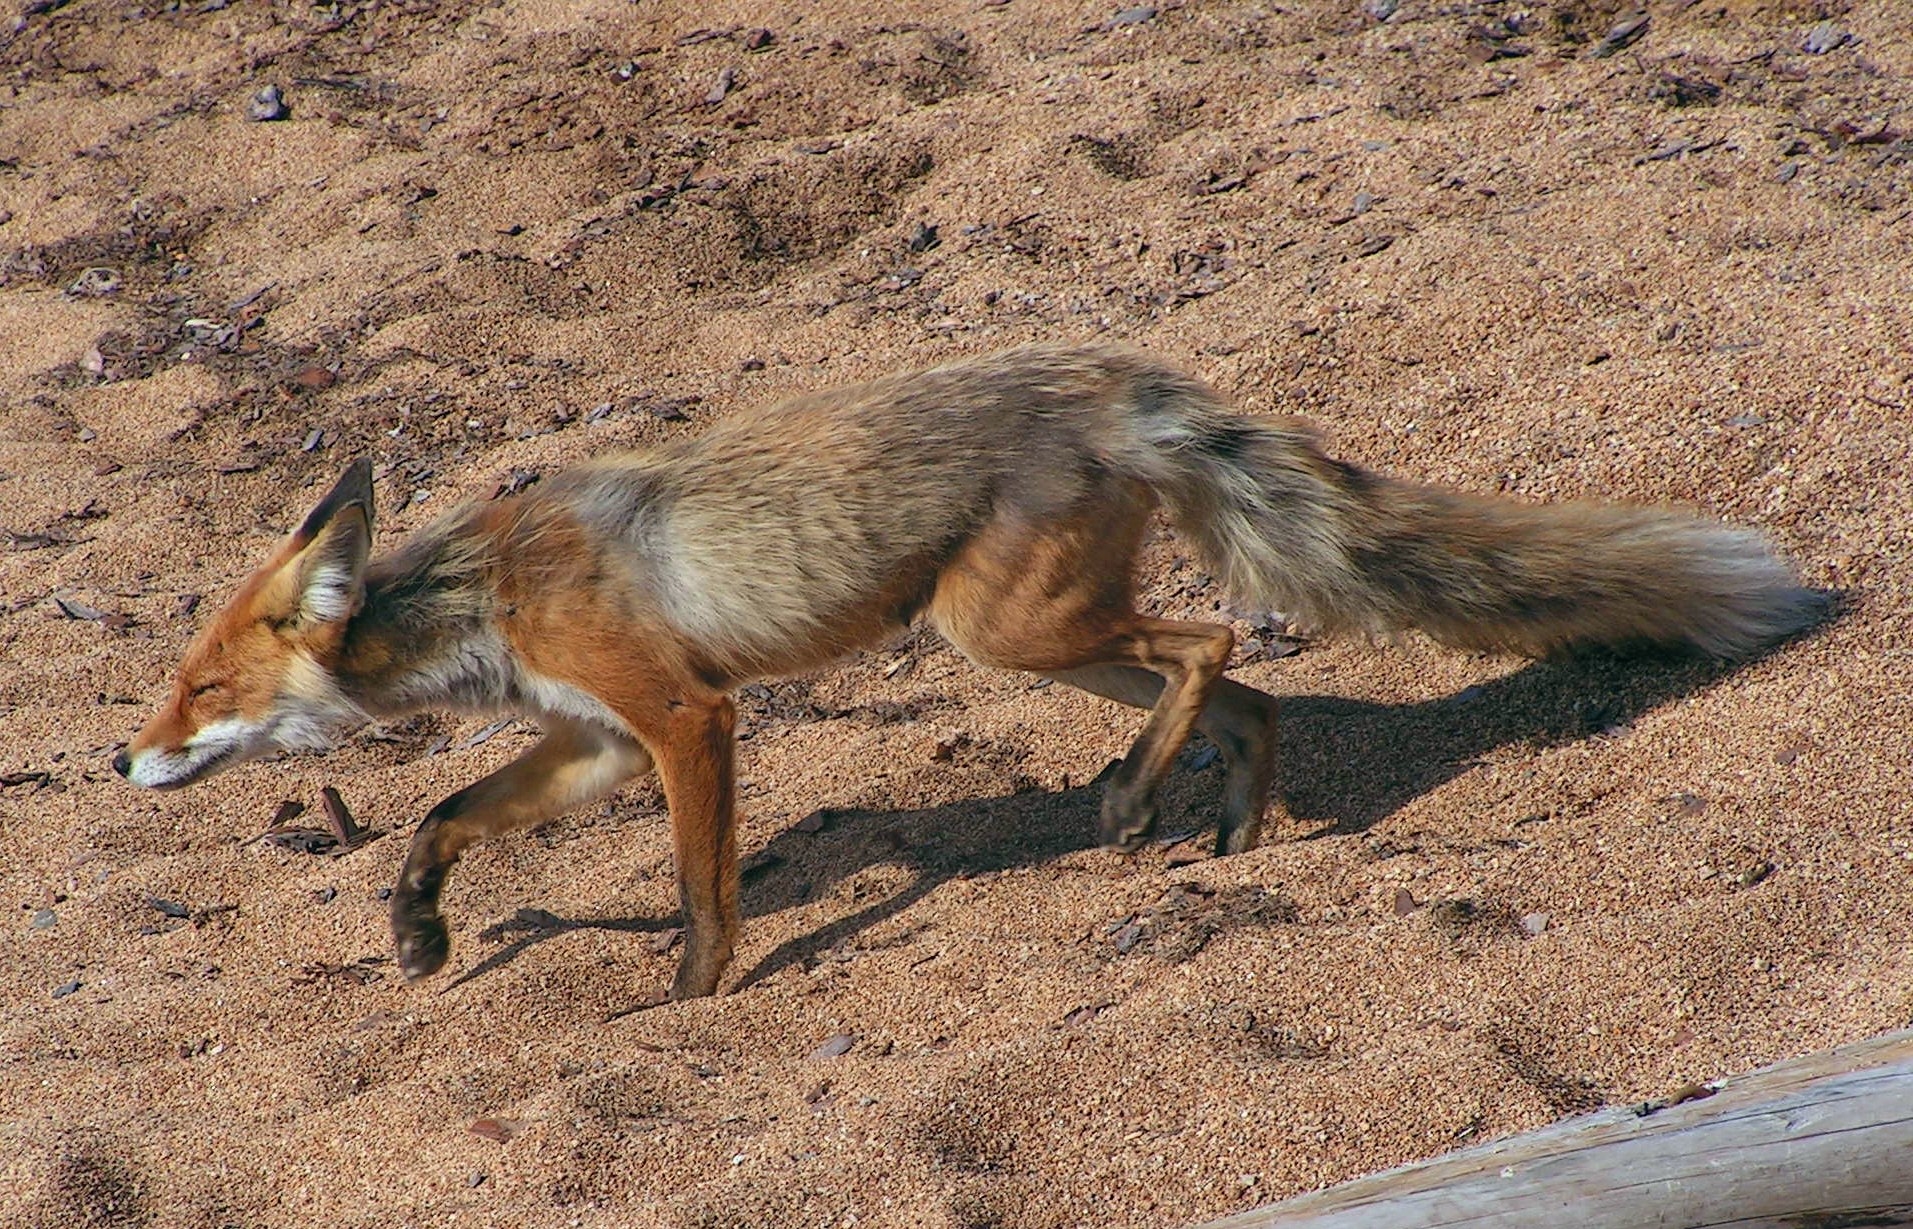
1624, 34
72, 608
300, 840
485, 735
1131, 17
339, 820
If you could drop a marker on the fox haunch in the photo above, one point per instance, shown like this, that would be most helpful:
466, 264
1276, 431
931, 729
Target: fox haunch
1003, 498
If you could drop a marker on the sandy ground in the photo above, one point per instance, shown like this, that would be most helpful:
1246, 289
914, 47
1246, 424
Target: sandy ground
495, 237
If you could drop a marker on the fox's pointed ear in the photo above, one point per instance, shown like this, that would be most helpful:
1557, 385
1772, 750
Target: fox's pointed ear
353, 487
327, 570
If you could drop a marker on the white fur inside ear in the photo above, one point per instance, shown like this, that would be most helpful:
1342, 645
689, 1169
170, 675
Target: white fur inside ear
328, 594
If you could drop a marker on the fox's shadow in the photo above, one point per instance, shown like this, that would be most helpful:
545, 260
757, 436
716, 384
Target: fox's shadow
1344, 765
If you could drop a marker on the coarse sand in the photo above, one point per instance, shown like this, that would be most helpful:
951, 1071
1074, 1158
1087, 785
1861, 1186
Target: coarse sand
1478, 243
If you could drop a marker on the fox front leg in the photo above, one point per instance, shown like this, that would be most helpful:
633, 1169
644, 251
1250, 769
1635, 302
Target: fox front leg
696, 765
574, 763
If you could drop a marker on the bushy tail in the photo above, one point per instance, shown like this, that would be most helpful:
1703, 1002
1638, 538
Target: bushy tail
1289, 527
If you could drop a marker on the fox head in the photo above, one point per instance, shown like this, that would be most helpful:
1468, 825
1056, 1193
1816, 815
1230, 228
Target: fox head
259, 677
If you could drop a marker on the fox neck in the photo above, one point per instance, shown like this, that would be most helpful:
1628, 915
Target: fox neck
423, 639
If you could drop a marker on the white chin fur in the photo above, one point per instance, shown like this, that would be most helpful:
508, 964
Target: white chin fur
217, 746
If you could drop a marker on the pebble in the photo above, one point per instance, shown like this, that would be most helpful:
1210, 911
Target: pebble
94, 282
44, 920
1535, 923
1824, 37
836, 1046
268, 104
923, 237
1132, 16
60, 992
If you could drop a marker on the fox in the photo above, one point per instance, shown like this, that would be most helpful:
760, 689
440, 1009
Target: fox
1002, 499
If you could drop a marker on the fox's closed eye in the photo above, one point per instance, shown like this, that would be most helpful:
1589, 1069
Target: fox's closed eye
205, 689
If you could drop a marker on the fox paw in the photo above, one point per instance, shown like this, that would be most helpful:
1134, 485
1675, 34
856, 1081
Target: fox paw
424, 945
1126, 824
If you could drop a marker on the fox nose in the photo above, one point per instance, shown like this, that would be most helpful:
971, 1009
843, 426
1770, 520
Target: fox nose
122, 763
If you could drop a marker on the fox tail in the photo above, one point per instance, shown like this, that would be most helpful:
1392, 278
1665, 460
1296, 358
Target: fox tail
1343, 549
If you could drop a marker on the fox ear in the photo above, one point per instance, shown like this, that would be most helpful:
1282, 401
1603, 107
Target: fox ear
353, 487
327, 570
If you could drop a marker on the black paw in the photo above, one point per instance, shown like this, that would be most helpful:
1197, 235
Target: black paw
424, 945
1126, 824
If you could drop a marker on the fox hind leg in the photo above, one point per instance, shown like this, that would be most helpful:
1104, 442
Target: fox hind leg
572, 765
1053, 593
1189, 658
1239, 720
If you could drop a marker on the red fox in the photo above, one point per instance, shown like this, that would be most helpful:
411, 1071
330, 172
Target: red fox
1003, 498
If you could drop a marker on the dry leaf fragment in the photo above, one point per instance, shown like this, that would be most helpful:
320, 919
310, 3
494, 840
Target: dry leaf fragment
498, 1130
1084, 1014
314, 379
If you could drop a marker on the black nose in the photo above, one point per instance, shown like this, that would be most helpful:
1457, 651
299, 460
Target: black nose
122, 763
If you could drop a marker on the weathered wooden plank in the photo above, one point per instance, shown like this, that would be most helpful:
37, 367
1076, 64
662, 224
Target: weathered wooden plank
1821, 1142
